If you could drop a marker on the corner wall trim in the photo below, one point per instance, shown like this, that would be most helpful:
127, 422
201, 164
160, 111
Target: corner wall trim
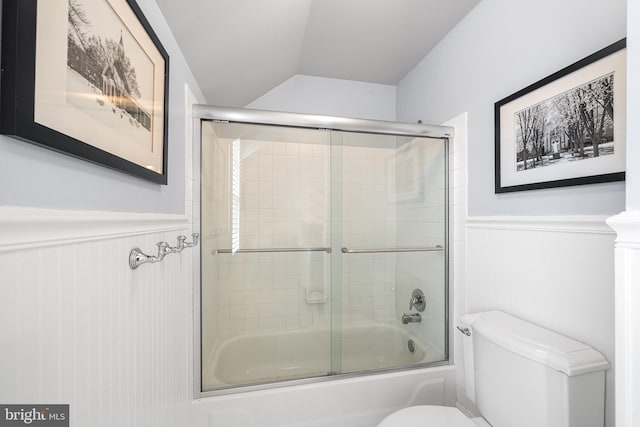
627, 226
591, 224
627, 319
26, 228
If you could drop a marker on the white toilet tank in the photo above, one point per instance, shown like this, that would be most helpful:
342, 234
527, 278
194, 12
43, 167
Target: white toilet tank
522, 375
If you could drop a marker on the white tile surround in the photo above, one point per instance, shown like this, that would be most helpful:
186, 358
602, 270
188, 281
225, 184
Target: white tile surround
280, 183
368, 221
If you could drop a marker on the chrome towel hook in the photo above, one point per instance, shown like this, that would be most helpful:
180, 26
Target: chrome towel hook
137, 257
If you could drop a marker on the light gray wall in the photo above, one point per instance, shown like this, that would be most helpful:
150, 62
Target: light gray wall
501, 47
332, 97
32, 176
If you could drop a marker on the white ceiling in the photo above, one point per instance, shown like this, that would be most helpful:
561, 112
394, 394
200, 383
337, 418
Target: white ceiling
240, 49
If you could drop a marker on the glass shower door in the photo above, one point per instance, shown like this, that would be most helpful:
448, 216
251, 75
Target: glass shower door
266, 266
323, 253
393, 211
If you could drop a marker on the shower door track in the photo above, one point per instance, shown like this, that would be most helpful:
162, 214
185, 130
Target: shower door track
241, 115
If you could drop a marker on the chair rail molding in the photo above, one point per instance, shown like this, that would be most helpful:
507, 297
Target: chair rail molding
591, 224
25, 228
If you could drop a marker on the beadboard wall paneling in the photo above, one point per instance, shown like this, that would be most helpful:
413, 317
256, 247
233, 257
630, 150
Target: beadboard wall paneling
557, 272
80, 327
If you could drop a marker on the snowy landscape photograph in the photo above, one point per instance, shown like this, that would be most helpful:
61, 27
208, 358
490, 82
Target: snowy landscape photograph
100, 58
576, 125
567, 128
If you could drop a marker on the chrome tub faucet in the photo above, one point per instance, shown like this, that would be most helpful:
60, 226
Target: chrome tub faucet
411, 318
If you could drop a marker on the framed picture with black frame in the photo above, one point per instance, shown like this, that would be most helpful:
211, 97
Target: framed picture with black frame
566, 129
88, 78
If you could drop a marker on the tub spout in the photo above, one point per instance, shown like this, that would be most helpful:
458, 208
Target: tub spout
411, 318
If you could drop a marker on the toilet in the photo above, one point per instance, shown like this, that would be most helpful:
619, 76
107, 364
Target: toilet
519, 375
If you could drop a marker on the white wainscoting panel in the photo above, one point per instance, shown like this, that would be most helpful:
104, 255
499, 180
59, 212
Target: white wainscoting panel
557, 272
78, 326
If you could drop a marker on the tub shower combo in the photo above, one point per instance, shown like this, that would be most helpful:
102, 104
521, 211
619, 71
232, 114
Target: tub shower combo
324, 248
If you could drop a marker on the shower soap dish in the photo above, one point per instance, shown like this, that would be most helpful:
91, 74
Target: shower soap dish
315, 296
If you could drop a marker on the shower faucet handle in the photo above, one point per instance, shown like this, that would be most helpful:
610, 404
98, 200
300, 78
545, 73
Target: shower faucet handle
418, 300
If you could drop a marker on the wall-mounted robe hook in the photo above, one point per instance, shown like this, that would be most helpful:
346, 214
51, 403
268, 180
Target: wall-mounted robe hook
182, 243
137, 257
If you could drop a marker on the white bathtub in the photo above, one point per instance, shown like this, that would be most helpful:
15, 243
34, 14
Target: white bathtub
267, 357
360, 401
352, 402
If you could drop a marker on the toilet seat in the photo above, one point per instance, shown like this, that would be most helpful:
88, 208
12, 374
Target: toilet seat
433, 416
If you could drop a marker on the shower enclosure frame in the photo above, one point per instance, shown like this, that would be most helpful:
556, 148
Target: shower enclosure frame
202, 113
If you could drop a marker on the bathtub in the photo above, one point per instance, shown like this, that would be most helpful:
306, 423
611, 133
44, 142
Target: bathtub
268, 357
361, 401
356, 401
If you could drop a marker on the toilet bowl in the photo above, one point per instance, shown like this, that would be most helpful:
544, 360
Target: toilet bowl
428, 415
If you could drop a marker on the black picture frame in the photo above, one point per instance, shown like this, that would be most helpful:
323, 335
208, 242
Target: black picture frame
538, 132
126, 113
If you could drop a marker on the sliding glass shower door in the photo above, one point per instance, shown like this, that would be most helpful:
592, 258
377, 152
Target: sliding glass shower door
392, 243
266, 293
323, 253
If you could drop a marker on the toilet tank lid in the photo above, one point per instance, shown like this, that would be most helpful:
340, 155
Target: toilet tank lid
536, 343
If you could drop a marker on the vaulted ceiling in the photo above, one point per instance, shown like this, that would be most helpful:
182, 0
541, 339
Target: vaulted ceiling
240, 49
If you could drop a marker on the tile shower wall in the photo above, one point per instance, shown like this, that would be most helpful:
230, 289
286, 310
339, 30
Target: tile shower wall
284, 194
283, 202
368, 221
279, 194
